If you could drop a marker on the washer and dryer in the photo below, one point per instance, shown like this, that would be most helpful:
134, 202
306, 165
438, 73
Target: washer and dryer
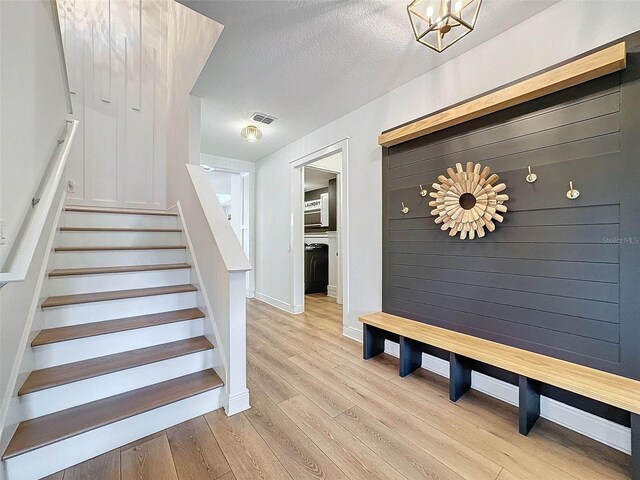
316, 268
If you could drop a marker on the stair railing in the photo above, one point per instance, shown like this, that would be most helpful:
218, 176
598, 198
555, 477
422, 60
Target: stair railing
26, 241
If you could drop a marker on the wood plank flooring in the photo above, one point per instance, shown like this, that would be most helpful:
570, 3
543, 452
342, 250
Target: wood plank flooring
320, 411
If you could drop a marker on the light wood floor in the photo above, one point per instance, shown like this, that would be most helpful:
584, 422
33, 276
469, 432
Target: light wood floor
320, 411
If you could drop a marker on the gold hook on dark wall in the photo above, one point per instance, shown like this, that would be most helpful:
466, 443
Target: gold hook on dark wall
423, 192
405, 209
573, 193
532, 177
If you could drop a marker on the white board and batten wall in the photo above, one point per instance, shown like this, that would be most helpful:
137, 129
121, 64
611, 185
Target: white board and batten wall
116, 61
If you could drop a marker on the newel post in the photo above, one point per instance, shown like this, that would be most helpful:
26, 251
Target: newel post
236, 386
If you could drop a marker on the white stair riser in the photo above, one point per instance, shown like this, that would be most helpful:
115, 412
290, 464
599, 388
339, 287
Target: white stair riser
117, 258
77, 284
112, 309
59, 398
85, 348
112, 220
120, 239
60, 455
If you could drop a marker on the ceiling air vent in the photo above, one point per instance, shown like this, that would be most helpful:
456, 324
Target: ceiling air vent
262, 118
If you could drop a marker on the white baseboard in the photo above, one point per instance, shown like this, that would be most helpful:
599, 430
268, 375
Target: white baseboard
599, 429
274, 302
237, 403
332, 291
251, 293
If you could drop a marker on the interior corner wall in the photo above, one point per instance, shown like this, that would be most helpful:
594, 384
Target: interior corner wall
558, 33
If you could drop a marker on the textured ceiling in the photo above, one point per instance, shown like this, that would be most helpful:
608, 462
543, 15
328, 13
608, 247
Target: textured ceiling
309, 62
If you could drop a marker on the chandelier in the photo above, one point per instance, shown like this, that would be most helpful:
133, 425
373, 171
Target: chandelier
438, 24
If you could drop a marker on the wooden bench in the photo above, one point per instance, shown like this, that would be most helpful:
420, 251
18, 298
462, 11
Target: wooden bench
532, 368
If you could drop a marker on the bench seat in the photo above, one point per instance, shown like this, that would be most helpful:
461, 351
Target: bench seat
532, 368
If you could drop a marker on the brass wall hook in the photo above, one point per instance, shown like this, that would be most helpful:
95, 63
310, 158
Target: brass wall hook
423, 192
532, 177
405, 209
573, 193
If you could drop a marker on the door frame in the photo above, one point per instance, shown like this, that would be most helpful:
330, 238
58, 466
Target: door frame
297, 223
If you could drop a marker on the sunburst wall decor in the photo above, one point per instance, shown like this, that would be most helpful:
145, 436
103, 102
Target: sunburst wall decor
468, 201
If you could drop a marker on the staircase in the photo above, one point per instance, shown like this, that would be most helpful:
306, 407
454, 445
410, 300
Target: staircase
123, 352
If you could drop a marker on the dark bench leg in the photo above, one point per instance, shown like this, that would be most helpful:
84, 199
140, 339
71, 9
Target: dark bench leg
459, 376
410, 356
529, 405
372, 341
635, 446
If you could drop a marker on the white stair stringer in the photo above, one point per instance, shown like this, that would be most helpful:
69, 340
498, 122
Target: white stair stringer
71, 451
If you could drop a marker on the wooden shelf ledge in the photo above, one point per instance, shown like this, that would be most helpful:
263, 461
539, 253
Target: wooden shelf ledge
583, 69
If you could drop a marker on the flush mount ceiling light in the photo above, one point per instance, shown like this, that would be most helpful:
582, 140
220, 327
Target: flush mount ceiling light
251, 133
438, 24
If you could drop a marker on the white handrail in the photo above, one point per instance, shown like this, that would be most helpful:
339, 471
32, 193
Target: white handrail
25, 250
235, 260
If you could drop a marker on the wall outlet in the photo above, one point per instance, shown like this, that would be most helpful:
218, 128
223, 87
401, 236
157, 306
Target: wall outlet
71, 186
3, 233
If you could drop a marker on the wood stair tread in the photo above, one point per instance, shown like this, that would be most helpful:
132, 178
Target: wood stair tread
74, 332
120, 211
116, 247
64, 300
42, 431
65, 272
103, 229
95, 367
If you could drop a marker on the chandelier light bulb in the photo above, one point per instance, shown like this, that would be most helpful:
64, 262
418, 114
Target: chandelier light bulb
251, 133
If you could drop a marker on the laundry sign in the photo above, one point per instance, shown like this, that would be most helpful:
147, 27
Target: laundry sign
312, 205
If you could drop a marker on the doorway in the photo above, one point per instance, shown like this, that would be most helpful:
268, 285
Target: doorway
319, 229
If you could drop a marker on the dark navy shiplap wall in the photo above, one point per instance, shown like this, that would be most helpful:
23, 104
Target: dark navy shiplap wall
558, 277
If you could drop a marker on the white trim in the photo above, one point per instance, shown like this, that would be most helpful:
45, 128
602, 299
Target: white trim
227, 164
237, 403
274, 302
26, 332
297, 225
597, 428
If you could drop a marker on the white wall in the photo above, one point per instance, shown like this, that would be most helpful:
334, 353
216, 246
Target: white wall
116, 61
565, 30
32, 118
